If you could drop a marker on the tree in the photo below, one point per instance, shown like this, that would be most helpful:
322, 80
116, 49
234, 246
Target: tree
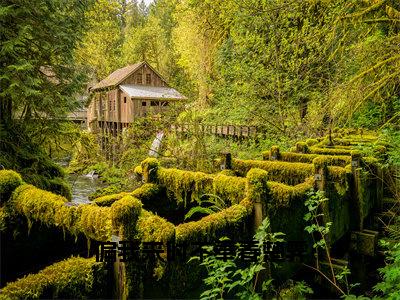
38, 78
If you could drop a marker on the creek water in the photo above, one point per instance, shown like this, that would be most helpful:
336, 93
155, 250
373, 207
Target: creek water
83, 186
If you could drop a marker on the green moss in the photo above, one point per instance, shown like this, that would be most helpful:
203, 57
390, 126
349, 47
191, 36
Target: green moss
152, 228
230, 188
51, 209
285, 172
336, 160
149, 169
228, 173
109, 199
124, 215
256, 184
330, 151
36, 204
213, 225
72, 278
185, 183
147, 192
302, 147
60, 187
138, 171
281, 195
311, 142
107, 191
95, 222
9, 181
3, 219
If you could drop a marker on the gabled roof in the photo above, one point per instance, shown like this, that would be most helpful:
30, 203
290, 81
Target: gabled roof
151, 92
120, 75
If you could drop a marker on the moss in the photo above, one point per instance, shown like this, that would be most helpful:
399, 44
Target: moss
302, 147
72, 278
147, 192
228, 173
230, 188
107, 191
185, 183
330, 151
95, 222
3, 219
149, 169
109, 199
9, 181
281, 195
138, 172
213, 225
256, 184
36, 204
124, 215
289, 173
152, 228
60, 187
339, 160
311, 142
50, 209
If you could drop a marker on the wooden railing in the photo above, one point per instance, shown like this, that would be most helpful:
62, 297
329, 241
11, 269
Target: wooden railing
240, 131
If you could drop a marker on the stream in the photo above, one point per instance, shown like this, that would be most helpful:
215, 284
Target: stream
82, 185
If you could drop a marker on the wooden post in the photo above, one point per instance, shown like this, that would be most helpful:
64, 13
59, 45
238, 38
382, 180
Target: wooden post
275, 153
357, 201
226, 161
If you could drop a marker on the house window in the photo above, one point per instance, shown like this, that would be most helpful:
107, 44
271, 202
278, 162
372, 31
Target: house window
144, 103
139, 78
109, 104
124, 99
148, 79
154, 103
115, 104
164, 103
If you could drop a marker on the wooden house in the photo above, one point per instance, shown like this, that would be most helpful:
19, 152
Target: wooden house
127, 94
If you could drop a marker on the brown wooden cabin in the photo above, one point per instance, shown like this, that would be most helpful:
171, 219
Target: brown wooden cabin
127, 94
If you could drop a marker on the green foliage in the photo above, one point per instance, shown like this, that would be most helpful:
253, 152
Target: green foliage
72, 278
389, 287
9, 181
211, 205
227, 278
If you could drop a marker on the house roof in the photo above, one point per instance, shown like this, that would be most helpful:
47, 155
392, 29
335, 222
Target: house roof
151, 92
120, 75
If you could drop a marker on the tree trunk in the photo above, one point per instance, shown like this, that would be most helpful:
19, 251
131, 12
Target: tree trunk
5, 110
